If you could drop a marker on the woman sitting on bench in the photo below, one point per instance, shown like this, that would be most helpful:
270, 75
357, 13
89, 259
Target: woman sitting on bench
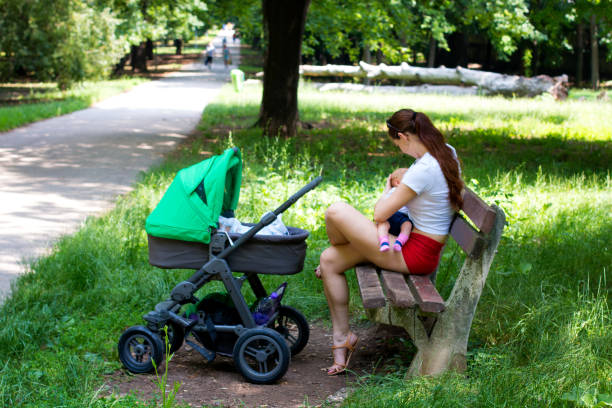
431, 189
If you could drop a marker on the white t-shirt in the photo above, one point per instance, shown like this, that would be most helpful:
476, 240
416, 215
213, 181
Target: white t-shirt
430, 210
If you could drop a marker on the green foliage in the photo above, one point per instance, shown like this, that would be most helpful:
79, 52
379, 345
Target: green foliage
65, 41
69, 41
401, 29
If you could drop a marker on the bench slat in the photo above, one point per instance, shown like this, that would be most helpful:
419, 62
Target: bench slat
372, 294
425, 293
481, 214
467, 237
397, 289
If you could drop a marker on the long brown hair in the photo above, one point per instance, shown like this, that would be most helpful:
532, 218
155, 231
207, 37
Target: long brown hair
418, 123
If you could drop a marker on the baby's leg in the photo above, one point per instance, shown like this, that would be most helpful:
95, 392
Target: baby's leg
383, 235
405, 230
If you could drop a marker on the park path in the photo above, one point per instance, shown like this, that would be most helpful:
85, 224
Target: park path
56, 172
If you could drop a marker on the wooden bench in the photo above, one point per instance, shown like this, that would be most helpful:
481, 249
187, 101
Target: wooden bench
438, 328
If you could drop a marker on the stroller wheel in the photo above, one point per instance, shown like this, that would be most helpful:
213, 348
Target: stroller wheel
292, 325
138, 348
261, 355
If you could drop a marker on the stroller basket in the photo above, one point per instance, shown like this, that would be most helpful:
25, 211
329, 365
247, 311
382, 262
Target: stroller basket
265, 254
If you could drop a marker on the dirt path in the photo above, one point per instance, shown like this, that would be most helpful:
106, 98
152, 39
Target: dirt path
56, 172
305, 384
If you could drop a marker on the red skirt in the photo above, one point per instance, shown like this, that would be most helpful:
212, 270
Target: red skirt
421, 254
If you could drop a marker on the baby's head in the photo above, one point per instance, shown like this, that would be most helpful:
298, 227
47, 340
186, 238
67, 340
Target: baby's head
396, 176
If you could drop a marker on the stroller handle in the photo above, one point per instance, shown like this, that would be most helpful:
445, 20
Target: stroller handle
298, 195
269, 217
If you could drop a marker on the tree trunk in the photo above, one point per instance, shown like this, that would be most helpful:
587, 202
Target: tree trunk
580, 56
178, 43
149, 49
432, 53
488, 82
594, 54
138, 58
283, 27
367, 57
119, 67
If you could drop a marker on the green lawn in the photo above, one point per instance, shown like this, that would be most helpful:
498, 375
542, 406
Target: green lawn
251, 61
542, 334
23, 103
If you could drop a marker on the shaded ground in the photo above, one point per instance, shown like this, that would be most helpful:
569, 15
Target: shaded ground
163, 64
381, 349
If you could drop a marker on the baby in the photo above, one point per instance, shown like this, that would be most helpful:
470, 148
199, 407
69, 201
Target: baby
398, 224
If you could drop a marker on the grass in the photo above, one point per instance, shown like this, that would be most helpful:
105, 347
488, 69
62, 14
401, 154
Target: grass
542, 334
23, 103
251, 61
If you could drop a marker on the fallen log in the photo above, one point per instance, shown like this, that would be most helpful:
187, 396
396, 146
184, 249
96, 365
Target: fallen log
488, 83
421, 89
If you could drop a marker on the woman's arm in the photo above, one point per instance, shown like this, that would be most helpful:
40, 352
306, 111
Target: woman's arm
387, 206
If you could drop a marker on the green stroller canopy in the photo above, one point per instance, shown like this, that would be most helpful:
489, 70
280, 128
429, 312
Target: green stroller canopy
197, 196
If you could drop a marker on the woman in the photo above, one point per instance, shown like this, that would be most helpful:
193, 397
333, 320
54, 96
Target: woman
431, 189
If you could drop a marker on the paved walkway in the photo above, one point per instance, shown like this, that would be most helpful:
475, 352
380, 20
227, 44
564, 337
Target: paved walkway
56, 172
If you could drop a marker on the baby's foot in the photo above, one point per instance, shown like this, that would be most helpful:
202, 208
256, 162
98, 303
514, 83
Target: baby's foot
400, 241
384, 246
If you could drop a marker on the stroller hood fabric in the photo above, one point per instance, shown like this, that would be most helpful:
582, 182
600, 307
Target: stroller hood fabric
191, 206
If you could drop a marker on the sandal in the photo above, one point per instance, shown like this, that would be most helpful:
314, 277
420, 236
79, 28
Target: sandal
341, 368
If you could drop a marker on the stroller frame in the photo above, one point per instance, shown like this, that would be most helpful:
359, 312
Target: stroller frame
141, 348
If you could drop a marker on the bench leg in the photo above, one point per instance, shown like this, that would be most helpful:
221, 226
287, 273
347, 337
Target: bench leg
435, 360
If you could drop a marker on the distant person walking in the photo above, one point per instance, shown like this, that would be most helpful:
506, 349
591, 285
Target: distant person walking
226, 56
210, 49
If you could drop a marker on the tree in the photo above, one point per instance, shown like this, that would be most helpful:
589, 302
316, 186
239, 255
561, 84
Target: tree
594, 53
145, 20
56, 41
283, 27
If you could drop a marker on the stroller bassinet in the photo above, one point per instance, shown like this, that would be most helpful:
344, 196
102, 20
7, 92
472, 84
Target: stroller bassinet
266, 254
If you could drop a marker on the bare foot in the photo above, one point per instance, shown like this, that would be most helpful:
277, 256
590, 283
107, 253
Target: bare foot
318, 271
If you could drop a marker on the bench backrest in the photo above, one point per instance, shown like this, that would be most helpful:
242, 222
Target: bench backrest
473, 241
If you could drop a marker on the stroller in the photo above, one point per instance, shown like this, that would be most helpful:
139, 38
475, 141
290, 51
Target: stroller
182, 234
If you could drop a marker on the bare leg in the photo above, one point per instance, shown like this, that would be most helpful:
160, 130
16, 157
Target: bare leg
383, 235
334, 235
402, 238
383, 229
350, 225
406, 228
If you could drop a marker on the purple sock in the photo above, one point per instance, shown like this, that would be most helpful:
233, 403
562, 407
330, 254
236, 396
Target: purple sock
400, 241
384, 244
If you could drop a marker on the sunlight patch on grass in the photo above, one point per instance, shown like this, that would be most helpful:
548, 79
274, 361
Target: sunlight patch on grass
46, 101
